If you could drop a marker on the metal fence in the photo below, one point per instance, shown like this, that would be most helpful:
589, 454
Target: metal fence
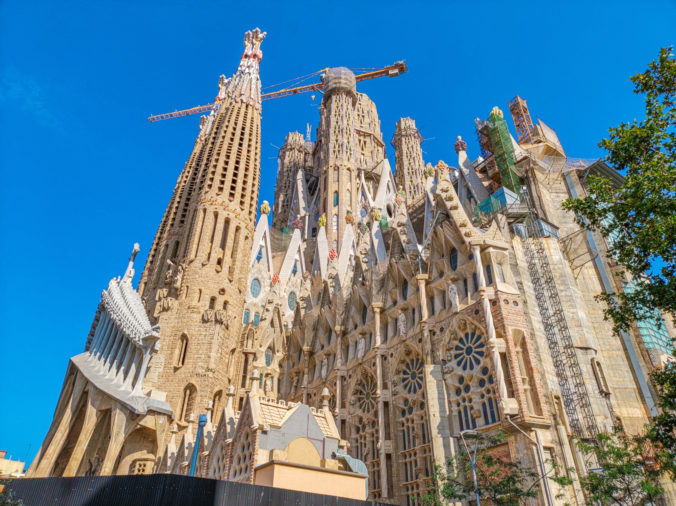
162, 489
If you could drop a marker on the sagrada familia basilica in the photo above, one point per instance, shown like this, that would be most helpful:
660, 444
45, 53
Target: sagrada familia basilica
394, 309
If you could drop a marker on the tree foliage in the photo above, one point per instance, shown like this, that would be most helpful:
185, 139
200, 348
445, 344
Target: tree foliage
7, 495
662, 432
499, 481
639, 218
626, 472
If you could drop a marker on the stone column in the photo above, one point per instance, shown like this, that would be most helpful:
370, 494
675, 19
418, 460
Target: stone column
119, 378
306, 365
118, 432
61, 431
339, 368
507, 404
104, 321
437, 402
82, 439
115, 364
144, 365
110, 335
137, 355
377, 307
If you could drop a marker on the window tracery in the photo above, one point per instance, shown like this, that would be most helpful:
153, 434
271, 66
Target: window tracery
413, 437
364, 431
470, 377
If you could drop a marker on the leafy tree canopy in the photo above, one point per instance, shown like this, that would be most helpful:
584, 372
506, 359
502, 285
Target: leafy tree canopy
639, 218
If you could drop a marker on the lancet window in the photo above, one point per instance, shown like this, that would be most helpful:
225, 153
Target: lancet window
413, 434
364, 433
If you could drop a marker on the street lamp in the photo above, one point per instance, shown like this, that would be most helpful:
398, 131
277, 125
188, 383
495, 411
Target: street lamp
541, 462
472, 457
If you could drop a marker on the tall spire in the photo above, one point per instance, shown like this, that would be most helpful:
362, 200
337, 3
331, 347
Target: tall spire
199, 259
245, 85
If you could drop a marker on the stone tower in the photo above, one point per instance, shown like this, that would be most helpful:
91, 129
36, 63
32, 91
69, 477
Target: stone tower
195, 276
348, 140
293, 155
409, 161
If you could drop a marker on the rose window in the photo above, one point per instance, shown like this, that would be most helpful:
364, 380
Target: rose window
469, 351
365, 393
412, 376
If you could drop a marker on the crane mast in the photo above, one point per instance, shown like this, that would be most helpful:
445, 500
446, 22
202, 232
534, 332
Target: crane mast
393, 70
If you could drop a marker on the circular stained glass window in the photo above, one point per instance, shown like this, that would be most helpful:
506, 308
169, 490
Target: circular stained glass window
255, 288
292, 301
412, 376
365, 394
469, 351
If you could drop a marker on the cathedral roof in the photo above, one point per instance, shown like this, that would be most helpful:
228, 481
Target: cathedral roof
125, 307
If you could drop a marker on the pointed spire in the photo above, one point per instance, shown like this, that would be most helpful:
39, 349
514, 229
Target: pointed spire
129, 273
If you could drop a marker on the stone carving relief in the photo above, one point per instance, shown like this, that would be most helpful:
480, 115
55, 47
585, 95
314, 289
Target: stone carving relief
164, 302
453, 297
361, 347
401, 323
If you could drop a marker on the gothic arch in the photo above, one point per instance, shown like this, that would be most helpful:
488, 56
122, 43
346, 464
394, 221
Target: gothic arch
412, 439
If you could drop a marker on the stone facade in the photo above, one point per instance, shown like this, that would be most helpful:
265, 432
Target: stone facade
464, 300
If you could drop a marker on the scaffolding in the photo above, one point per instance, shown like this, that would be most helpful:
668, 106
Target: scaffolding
559, 340
503, 151
521, 118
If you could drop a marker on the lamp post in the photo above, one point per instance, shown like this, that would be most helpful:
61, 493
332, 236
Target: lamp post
540, 462
472, 458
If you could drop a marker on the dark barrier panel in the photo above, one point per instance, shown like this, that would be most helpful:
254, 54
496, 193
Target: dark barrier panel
162, 490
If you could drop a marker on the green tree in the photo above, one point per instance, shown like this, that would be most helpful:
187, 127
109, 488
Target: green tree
7, 495
499, 481
626, 473
662, 432
639, 218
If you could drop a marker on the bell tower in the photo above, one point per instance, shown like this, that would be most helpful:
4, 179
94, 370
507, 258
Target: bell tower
194, 280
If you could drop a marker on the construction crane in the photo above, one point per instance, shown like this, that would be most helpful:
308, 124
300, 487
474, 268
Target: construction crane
391, 70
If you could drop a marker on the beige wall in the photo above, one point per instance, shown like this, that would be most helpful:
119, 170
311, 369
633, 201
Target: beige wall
311, 479
11, 466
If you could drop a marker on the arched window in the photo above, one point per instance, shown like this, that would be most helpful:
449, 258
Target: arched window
413, 440
453, 258
245, 319
255, 288
364, 313
335, 199
471, 378
600, 377
257, 319
259, 255
291, 299
335, 223
212, 302
188, 402
182, 351
268, 357
404, 289
364, 432
475, 281
489, 274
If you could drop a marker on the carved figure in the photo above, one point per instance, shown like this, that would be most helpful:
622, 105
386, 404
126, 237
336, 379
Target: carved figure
453, 297
401, 322
325, 367
361, 347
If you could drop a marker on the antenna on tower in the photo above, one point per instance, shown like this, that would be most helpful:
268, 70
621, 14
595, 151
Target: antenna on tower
308, 128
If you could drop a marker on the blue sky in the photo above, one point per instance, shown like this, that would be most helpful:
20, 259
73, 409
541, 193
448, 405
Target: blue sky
84, 175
